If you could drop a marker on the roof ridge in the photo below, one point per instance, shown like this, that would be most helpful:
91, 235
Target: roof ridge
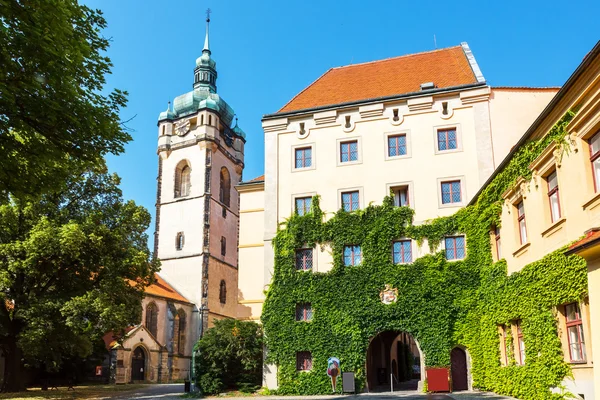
304, 90
395, 57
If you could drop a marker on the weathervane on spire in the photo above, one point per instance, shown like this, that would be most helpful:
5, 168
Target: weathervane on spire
208, 11
206, 46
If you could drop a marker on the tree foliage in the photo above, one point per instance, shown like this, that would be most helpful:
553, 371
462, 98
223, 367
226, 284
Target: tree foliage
54, 118
73, 266
441, 303
230, 357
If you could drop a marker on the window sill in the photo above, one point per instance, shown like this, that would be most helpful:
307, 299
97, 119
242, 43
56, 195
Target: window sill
521, 250
579, 364
450, 205
346, 163
294, 169
392, 158
440, 152
592, 203
555, 227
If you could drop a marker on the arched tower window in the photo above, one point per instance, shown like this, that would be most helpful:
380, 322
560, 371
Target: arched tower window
182, 179
210, 120
152, 318
202, 119
181, 325
179, 241
225, 187
223, 292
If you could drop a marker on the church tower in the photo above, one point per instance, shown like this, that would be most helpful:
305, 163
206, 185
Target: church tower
200, 161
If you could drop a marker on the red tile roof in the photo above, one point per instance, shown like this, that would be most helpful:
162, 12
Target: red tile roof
590, 236
258, 179
162, 289
393, 76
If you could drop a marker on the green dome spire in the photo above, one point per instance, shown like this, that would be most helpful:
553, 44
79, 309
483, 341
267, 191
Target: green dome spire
205, 73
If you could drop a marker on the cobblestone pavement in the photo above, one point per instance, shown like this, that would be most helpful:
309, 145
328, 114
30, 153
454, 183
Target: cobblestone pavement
175, 391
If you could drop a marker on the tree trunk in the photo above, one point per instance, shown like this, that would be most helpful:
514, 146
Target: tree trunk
13, 368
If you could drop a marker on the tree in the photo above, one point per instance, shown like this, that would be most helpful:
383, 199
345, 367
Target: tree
230, 356
53, 117
73, 266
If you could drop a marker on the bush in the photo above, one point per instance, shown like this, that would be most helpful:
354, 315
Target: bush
230, 357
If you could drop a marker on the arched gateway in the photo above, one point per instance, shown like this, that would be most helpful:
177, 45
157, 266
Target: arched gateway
393, 357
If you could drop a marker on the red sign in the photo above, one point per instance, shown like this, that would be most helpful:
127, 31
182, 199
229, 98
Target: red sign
99, 370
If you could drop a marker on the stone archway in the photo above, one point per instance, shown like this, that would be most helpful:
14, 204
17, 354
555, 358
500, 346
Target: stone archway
394, 359
139, 358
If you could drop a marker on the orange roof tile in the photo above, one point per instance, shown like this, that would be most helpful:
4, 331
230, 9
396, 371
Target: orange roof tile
258, 179
393, 76
161, 288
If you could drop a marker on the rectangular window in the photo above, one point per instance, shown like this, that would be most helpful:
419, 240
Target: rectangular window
498, 243
303, 157
553, 196
304, 259
303, 361
352, 255
451, 192
595, 159
350, 201
349, 151
521, 344
575, 333
521, 220
401, 198
455, 247
402, 252
303, 205
304, 312
223, 245
503, 346
396, 145
447, 139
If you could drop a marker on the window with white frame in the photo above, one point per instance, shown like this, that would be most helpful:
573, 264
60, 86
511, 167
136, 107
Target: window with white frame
451, 192
447, 139
397, 145
303, 205
350, 200
455, 247
303, 157
349, 151
401, 196
402, 251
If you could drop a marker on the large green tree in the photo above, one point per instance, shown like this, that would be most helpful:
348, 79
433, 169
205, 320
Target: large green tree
54, 116
73, 265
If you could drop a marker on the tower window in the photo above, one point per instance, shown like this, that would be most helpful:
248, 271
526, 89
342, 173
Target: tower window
202, 120
210, 120
179, 241
152, 318
223, 292
182, 179
225, 187
223, 246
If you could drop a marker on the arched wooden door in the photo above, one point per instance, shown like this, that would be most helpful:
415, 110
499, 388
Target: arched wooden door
138, 364
458, 359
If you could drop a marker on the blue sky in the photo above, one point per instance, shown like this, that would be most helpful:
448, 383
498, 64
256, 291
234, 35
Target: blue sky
267, 51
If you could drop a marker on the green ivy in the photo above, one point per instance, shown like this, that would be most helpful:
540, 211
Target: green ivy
441, 303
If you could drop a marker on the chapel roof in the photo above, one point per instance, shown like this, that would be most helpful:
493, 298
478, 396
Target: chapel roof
446, 68
161, 288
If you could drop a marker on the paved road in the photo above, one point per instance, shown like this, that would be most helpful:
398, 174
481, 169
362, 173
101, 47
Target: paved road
174, 391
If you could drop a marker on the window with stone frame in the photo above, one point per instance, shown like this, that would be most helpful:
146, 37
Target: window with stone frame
352, 255
396, 145
152, 318
455, 247
447, 139
349, 151
451, 192
402, 251
182, 179
351, 200
553, 199
303, 361
304, 259
223, 292
521, 222
303, 205
303, 157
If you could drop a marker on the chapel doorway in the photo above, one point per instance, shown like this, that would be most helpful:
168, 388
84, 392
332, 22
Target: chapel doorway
393, 361
458, 368
138, 364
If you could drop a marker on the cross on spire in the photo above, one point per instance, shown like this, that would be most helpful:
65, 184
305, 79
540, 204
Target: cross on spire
206, 46
208, 11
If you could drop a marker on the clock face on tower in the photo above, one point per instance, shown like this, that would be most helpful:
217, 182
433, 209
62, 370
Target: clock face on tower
182, 127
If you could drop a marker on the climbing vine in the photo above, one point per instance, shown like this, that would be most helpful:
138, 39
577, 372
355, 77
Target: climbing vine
441, 303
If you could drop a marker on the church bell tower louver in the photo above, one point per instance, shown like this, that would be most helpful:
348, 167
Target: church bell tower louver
200, 158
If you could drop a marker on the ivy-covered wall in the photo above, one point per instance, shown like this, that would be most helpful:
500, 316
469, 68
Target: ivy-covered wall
441, 303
